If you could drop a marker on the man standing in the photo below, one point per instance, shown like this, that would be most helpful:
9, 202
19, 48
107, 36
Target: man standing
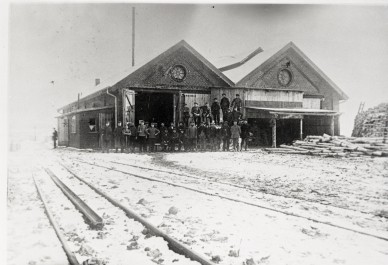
213, 136
244, 134
152, 133
132, 136
192, 136
163, 136
236, 115
141, 135
182, 140
206, 113
196, 114
216, 111
55, 137
119, 137
225, 136
106, 137
237, 102
186, 115
235, 132
174, 139
225, 104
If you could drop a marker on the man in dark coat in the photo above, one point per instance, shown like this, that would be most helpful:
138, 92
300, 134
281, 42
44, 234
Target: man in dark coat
236, 115
206, 113
235, 132
196, 114
174, 139
216, 111
213, 136
225, 104
119, 137
225, 136
237, 102
132, 136
182, 136
106, 134
244, 135
55, 137
163, 136
192, 136
186, 115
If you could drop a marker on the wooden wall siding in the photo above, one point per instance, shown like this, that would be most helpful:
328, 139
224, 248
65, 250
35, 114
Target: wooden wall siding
230, 93
316, 125
257, 114
191, 98
95, 102
268, 95
311, 103
273, 104
63, 131
157, 72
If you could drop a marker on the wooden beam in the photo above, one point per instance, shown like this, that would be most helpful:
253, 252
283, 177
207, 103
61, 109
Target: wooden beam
301, 129
274, 133
332, 126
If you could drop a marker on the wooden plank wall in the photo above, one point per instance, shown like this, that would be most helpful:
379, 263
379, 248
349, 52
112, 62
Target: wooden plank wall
201, 99
311, 103
268, 95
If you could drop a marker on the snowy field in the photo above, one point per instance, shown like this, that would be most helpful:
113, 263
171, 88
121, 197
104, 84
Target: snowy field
233, 208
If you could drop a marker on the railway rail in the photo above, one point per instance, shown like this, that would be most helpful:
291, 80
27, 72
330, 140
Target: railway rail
232, 199
173, 244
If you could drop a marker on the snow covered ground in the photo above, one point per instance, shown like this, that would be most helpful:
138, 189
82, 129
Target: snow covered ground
234, 208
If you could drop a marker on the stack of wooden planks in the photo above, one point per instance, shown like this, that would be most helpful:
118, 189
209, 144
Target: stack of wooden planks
335, 146
372, 122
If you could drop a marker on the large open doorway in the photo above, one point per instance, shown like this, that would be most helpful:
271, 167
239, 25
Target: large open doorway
154, 107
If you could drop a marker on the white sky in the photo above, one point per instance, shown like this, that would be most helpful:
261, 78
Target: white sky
72, 44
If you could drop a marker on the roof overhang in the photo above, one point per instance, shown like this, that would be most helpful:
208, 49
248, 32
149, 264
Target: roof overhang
84, 110
303, 112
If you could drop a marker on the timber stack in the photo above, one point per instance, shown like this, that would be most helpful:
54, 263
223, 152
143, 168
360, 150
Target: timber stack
335, 146
372, 122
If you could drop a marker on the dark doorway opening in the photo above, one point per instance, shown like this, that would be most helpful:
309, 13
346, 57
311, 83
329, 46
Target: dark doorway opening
154, 107
287, 131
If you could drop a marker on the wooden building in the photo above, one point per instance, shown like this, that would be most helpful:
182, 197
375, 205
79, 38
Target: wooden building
284, 98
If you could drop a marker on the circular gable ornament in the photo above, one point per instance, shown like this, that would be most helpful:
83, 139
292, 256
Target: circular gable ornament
178, 73
284, 77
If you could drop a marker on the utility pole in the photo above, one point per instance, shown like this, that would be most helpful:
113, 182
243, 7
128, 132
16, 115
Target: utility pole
133, 36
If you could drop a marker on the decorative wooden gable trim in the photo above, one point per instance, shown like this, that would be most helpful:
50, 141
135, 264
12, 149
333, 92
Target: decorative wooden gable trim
179, 65
301, 63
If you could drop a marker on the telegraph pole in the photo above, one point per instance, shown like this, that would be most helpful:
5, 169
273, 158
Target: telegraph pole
133, 36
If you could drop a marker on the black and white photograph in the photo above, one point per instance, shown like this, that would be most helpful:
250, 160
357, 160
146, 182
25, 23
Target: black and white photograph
195, 133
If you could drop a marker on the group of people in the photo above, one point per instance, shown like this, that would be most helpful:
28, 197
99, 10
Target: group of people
199, 132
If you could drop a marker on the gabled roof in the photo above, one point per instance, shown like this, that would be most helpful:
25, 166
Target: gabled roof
132, 78
318, 72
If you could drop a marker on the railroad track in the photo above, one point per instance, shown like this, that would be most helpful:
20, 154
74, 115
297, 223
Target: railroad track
234, 200
92, 194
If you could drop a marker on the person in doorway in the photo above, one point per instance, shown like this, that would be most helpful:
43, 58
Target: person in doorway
152, 133
196, 112
106, 137
55, 137
225, 136
186, 115
192, 137
225, 104
216, 111
132, 136
206, 113
237, 102
119, 137
141, 136
244, 134
235, 132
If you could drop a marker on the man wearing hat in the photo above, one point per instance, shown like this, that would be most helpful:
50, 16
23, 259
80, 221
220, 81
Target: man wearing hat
132, 136
237, 102
119, 137
106, 137
196, 111
55, 137
244, 134
225, 104
213, 136
152, 134
141, 136
186, 115
225, 136
192, 136
163, 136
216, 111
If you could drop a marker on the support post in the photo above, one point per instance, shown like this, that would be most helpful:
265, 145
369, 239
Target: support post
332, 126
180, 106
274, 132
301, 129
174, 109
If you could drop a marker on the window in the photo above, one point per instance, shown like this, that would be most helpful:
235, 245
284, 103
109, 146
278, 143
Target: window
92, 125
73, 124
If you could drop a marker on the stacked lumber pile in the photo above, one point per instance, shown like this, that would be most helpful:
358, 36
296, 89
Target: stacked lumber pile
335, 146
372, 122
